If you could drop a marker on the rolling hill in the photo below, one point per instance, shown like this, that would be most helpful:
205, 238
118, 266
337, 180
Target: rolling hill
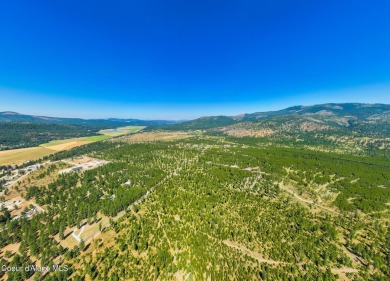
332, 114
348, 127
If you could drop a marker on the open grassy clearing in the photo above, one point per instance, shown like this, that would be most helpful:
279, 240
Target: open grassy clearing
72, 140
155, 136
67, 145
17, 156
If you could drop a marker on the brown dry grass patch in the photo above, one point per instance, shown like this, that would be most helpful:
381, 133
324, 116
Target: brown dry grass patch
250, 133
13, 248
154, 136
65, 146
17, 156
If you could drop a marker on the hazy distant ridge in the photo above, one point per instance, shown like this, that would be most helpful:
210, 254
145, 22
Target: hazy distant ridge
10, 116
343, 114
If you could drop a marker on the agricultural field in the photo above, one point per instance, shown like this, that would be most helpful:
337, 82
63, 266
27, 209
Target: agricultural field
196, 207
16, 156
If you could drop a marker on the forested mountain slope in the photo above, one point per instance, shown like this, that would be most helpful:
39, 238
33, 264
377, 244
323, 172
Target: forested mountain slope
17, 135
348, 128
332, 115
205, 207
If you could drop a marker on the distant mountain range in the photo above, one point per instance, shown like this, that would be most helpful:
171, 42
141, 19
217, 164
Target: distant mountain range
335, 114
343, 114
353, 126
10, 116
348, 127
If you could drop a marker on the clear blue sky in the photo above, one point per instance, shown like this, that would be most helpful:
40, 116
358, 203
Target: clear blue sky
184, 59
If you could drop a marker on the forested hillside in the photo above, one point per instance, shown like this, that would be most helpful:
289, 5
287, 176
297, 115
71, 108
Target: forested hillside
205, 207
360, 129
18, 135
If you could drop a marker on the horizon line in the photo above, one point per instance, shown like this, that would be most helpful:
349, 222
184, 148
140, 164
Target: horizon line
188, 119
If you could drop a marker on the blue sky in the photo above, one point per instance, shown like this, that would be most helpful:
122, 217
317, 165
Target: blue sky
185, 59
